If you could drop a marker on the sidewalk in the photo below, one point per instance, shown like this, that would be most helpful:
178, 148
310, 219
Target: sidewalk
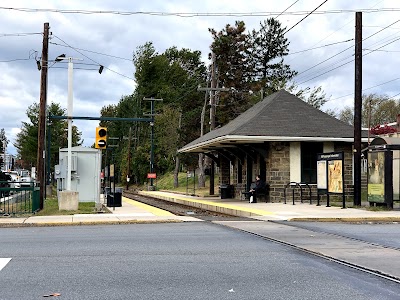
135, 212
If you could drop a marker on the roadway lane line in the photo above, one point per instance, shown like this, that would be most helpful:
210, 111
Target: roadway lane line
4, 262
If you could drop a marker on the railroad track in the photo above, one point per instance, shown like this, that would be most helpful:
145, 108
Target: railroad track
182, 210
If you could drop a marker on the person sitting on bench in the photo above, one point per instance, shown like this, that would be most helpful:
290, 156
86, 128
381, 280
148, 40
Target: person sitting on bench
259, 186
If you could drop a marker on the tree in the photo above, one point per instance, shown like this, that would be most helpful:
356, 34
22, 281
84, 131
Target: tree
268, 49
173, 76
27, 143
376, 110
231, 48
248, 63
315, 96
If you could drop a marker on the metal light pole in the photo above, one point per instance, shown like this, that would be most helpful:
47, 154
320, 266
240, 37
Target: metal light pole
69, 115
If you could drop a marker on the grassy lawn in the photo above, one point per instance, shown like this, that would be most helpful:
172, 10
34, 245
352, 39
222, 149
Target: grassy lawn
50, 208
187, 185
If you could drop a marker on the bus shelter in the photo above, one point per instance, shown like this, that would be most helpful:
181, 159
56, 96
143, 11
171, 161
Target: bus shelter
384, 171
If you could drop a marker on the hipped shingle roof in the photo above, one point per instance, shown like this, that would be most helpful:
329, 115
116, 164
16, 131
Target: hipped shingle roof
279, 117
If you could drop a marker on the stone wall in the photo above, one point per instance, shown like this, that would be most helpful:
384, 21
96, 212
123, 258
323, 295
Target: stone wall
278, 169
278, 174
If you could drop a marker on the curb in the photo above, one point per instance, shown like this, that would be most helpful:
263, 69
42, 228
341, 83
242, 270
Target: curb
90, 223
349, 220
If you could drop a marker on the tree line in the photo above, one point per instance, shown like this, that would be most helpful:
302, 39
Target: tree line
249, 63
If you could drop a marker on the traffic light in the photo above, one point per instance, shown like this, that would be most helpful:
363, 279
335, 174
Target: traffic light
101, 138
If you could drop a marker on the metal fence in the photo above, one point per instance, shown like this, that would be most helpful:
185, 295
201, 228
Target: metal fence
18, 200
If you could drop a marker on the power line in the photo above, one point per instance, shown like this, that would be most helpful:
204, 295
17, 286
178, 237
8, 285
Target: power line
90, 51
323, 46
19, 34
305, 17
379, 50
93, 60
329, 58
196, 14
286, 9
393, 96
383, 83
15, 59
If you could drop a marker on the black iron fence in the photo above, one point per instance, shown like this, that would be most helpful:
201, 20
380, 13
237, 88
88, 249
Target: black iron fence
18, 198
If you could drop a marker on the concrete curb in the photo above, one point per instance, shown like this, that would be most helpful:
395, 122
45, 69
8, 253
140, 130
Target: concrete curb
349, 220
86, 223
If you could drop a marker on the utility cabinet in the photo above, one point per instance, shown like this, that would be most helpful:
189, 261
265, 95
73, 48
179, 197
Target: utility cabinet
85, 172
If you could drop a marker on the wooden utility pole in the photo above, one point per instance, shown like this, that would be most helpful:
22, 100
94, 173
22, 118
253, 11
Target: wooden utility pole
357, 110
212, 91
40, 173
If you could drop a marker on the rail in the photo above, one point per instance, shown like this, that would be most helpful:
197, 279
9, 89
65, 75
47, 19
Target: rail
293, 185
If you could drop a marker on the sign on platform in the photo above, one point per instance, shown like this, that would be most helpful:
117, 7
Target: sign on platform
151, 175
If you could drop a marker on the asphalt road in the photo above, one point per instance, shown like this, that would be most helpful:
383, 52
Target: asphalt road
198, 260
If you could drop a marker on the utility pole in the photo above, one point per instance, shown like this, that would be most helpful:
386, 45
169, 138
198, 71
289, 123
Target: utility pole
152, 114
212, 91
128, 171
357, 110
42, 115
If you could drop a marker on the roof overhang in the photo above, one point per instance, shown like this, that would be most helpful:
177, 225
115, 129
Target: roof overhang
225, 141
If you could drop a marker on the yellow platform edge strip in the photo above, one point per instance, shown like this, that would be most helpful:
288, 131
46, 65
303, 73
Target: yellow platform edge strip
154, 210
260, 212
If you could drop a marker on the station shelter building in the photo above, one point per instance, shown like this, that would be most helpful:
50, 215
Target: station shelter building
279, 139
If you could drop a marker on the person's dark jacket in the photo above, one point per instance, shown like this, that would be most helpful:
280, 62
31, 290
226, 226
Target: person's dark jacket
260, 185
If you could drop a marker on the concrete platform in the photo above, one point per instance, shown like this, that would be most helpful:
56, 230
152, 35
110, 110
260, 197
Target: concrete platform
278, 211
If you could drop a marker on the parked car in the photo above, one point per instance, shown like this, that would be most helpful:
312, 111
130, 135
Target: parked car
15, 179
25, 178
4, 183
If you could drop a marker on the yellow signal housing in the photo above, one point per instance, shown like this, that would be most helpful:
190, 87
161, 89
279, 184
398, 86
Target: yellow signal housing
101, 138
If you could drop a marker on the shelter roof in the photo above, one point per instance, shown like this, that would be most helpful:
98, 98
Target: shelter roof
279, 117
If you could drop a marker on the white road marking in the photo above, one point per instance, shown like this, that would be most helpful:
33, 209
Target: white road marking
4, 262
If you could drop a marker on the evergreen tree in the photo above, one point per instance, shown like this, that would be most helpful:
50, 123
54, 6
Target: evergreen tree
27, 142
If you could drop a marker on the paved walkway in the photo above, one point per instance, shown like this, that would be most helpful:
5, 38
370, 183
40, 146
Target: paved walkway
135, 212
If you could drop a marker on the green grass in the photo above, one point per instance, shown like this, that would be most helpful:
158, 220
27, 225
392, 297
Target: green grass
166, 182
50, 208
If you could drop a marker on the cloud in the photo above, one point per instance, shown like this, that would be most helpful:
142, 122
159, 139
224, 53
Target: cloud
119, 35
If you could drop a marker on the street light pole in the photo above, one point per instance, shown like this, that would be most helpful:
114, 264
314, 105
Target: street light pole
69, 115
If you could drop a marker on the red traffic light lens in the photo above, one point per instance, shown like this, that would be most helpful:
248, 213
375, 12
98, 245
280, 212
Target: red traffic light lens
102, 132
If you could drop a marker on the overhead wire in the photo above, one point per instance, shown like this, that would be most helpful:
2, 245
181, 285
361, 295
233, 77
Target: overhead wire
286, 9
15, 59
366, 89
323, 46
329, 58
120, 74
90, 51
20, 34
195, 14
305, 17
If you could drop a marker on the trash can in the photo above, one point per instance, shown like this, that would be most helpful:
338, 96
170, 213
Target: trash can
226, 191
110, 200
118, 197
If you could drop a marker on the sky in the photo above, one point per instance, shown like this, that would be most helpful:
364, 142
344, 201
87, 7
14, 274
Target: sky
104, 32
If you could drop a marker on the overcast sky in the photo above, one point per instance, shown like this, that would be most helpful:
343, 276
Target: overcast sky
110, 39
